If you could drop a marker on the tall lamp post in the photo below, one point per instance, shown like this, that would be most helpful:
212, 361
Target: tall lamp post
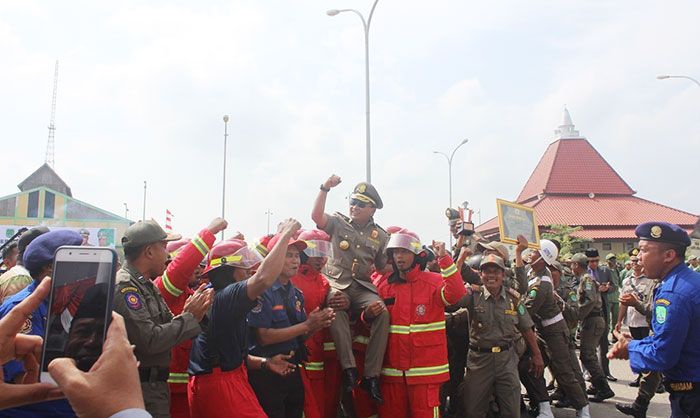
268, 213
223, 190
365, 24
665, 76
126, 211
449, 169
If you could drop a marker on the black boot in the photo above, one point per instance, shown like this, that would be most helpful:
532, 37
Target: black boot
635, 383
604, 392
349, 379
371, 385
637, 409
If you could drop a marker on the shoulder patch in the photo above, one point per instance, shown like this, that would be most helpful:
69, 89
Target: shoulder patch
258, 307
27, 326
133, 301
661, 301
660, 312
533, 293
128, 289
589, 285
521, 309
573, 297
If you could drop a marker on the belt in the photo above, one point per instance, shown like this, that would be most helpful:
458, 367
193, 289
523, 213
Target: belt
154, 374
494, 349
556, 318
682, 387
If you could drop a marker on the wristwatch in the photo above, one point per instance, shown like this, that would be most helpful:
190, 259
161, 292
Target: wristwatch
263, 364
325, 189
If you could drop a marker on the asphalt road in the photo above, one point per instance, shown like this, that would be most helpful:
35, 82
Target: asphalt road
658, 408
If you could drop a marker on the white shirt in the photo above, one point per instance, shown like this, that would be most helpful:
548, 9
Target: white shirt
640, 286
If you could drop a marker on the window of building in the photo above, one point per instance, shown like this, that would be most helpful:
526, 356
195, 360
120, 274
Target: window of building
49, 202
33, 205
607, 246
629, 246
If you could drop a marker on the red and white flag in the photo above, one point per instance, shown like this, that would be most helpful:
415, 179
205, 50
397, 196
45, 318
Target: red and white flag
168, 220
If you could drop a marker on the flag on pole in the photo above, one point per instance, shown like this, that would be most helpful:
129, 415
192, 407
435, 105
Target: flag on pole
168, 220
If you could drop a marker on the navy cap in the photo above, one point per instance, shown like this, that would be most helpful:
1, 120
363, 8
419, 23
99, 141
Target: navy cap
40, 252
663, 232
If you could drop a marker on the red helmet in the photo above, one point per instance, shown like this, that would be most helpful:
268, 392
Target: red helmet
233, 252
300, 244
261, 245
405, 239
318, 243
174, 247
392, 229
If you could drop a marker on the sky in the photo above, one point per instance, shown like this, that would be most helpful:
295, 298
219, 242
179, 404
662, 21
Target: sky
143, 87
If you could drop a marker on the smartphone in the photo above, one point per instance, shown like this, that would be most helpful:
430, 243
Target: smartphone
80, 306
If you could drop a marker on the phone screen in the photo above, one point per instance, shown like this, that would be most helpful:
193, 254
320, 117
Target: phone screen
80, 306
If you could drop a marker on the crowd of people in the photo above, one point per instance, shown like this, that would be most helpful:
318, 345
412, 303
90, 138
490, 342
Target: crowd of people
351, 319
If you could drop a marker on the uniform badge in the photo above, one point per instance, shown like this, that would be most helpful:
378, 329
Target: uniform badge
133, 301
374, 234
656, 231
257, 308
573, 297
27, 326
420, 310
660, 314
589, 286
298, 305
344, 245
361, 188
533, 293
521, 309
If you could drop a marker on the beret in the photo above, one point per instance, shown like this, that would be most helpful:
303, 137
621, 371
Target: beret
663, 232
40, 252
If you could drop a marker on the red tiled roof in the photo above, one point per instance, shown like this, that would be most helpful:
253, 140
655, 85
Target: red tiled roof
573, 166
600, 234
625, 212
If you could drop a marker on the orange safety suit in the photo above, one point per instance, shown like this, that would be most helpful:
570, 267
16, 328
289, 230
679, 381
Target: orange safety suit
415, 363
173, 286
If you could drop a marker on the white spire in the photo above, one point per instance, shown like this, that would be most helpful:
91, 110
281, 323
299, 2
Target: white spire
566, 129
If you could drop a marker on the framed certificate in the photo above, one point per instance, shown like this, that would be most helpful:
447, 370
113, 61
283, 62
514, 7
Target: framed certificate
514, 220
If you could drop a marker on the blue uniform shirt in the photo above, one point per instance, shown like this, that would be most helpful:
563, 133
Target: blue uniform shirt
227, 327
273, 310
34, 326
674, 347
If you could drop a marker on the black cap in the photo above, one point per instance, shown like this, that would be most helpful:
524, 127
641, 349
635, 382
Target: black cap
365, 192
29, 236
592, 253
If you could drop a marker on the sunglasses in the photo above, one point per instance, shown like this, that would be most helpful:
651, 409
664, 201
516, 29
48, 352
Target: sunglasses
359, 203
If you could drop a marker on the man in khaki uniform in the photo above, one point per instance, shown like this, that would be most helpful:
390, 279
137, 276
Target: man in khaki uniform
497, 317
358, 249
593, 327
150, 325
542, 306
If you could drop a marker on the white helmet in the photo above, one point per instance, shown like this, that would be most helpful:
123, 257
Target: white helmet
405, 239
548, 251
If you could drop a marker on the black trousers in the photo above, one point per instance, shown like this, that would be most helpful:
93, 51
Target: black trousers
685, 404
280, 397
639, 333
604, 345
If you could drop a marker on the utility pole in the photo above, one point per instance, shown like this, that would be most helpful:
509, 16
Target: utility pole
268, 213
144, 201
126, 211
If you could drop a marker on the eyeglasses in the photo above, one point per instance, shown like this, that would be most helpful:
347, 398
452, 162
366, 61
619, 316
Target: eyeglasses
359, 203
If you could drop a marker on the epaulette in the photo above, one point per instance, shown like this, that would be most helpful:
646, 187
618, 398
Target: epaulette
343, 217
514, 293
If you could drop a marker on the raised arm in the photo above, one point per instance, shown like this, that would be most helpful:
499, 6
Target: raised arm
318, 214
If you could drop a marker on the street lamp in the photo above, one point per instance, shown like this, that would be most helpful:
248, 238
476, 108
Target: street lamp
126, 211
268, 213
449, 167
223, 190
665, 76
365, 25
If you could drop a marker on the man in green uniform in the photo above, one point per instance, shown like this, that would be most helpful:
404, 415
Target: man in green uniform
549, 320
592, 327
150, 325
358, 249
614, 293
497, 317
694, 263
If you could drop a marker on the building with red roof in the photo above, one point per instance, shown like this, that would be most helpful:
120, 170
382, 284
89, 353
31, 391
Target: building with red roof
573, 185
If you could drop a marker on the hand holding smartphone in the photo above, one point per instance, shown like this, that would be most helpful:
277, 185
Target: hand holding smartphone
80, 306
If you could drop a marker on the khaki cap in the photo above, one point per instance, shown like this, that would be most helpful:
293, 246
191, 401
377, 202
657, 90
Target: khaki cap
144, 233
492, 259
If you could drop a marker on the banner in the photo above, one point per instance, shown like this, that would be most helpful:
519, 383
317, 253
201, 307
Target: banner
96, 237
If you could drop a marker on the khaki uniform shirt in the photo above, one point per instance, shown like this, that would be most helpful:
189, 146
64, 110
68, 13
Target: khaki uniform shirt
589, 299
13, 280
568, 303
639, 286
496, 321
150, 325
357, 250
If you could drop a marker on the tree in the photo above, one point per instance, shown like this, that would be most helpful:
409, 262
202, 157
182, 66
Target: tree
564, 234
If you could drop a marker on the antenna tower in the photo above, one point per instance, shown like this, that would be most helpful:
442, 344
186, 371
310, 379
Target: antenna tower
52, 127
